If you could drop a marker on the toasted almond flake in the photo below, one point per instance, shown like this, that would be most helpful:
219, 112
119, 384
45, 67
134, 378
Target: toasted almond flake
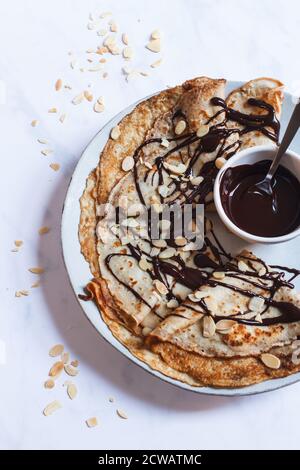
43, 230
46, 152
34, 123
218, 275
62, 117
56, 350
127, 52
52, 407
159, 243
154, 45
113, 26
56, 369
115, 133
91, 422
144, 264
163, 190
156, 63
168, 253
72, 391
102, 32
209, 327
271, 361
256, 304
99, 107
18, 243
49, 383
202, 130
160, 287
70, 370
58, 84
36, 270
88, 95
125, 39
180, 127
180, 241
75, 363
122, 414
242, 266
43, 141
225, 325
65, 357
21, 293
165, 143
220, 162
197, 180
52, 110
35, 285
78, 98
55, 166
155, 34
127, 163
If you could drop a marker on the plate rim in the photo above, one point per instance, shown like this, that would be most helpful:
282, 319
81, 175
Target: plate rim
106, 334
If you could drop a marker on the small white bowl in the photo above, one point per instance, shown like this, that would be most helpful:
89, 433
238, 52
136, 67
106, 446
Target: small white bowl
290, 160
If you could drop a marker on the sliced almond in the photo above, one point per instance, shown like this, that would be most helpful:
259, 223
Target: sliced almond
55, 166
70, 370
52, 407
180, 127
43, 230
127, 163
115, 133
144, 264
58, 84
88, 95
99, 107
35, 284
160, 287
56, 350
154, 45
102, 32
72, 391
43, 141
271, 361
49, 383
122, 414
91, 422
173, 303
18, 243
202, 130
96, 68
175, 169
242, 266
56, 369
168, 253
113, 27
225, 325
75, 363
218, 274
65, 357
78, 98
46, 152
125, 39
165, 143
180, 241
159, 243
201, 294
127, 52
209, 327
21, 293
36, 270
220, 162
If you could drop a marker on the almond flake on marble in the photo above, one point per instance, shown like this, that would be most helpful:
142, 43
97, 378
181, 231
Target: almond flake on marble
36, 270
55, 166
58, 84
56, 350
122, 414
127, 163
180, 127
115, 133
56, 369
52, 407
43, 230
91, 422
271, 361
154, 45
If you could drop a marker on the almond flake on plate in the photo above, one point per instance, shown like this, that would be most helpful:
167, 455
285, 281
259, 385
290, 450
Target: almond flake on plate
271, 361
113, 26
46, 152
156, 63
18, 243
56, 369
35, 285
55, 166
70, 370
58, 84
102, 32
52, 407
65, 357
75, 363
88, 95
155, 34
125, 39
43, 141
49, 383
36, 270
78, 98
91, 422
154, 45
127, 52
122, 414
21, 293
43, 230
34, 123
72, 391
56, 350
99, 107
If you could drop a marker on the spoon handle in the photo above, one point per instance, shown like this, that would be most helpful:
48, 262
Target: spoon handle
290, 132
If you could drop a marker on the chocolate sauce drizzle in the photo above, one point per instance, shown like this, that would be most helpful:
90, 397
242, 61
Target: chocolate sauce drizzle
193, 278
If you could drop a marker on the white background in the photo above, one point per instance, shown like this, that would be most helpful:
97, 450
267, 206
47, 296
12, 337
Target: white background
234, 39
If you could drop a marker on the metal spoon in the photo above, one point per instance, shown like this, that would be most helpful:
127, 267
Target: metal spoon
264, 187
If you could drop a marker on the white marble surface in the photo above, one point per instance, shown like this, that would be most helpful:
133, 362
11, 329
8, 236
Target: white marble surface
232, 38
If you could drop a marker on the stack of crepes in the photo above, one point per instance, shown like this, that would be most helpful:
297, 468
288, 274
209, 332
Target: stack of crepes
199, 315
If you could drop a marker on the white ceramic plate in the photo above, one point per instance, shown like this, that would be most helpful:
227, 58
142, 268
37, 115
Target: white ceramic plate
287, 254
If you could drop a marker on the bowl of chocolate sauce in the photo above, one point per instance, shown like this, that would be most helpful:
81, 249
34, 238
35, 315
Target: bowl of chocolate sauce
251, 214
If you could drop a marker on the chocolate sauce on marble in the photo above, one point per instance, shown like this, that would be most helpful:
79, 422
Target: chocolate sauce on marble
254, 211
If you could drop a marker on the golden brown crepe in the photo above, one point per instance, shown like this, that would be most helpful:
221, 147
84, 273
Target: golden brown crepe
154, 331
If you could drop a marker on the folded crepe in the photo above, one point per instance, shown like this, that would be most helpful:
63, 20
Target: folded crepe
142, 287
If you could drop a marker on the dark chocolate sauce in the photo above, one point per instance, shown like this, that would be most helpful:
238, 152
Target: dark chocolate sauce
255, 211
